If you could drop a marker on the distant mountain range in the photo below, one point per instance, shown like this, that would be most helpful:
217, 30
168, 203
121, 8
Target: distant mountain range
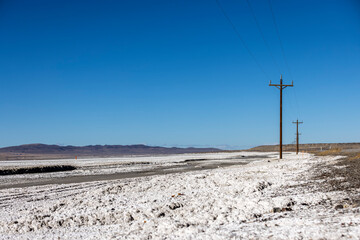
44, 151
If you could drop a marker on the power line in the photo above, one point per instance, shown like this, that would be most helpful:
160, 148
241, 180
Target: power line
283, 53
298, 110
263, 36
278, 35
241, 38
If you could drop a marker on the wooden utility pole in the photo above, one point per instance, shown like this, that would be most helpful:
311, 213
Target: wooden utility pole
297, 135
281, 86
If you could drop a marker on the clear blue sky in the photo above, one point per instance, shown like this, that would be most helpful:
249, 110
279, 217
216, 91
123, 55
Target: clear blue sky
174, 73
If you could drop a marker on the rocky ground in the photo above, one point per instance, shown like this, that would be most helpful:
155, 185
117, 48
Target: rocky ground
343, 176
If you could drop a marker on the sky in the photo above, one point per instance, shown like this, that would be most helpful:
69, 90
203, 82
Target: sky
175, 73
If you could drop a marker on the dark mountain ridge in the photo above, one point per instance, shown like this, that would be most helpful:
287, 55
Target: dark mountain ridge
44, 151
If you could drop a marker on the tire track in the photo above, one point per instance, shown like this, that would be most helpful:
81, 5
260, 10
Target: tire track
52, 193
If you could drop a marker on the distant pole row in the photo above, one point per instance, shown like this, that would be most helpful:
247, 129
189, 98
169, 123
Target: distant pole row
282, 86
297, 135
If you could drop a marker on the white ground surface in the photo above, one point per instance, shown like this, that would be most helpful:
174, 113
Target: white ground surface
262, 200
100, 166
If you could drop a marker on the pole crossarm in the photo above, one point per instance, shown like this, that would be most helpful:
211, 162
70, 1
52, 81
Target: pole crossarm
283, 86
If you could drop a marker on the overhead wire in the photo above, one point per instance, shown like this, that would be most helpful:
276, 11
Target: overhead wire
263, 36
278, 35
283, 53
241, 38
298, 110
265, 42
238, 34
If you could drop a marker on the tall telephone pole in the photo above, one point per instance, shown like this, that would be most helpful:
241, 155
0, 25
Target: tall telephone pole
281, 86
297, 135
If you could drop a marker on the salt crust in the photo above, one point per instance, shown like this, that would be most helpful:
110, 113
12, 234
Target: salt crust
268, 199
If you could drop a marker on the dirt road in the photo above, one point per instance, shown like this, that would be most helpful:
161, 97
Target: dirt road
190, 165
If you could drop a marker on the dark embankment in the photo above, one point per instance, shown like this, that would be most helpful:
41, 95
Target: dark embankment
311, 147
46, 169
